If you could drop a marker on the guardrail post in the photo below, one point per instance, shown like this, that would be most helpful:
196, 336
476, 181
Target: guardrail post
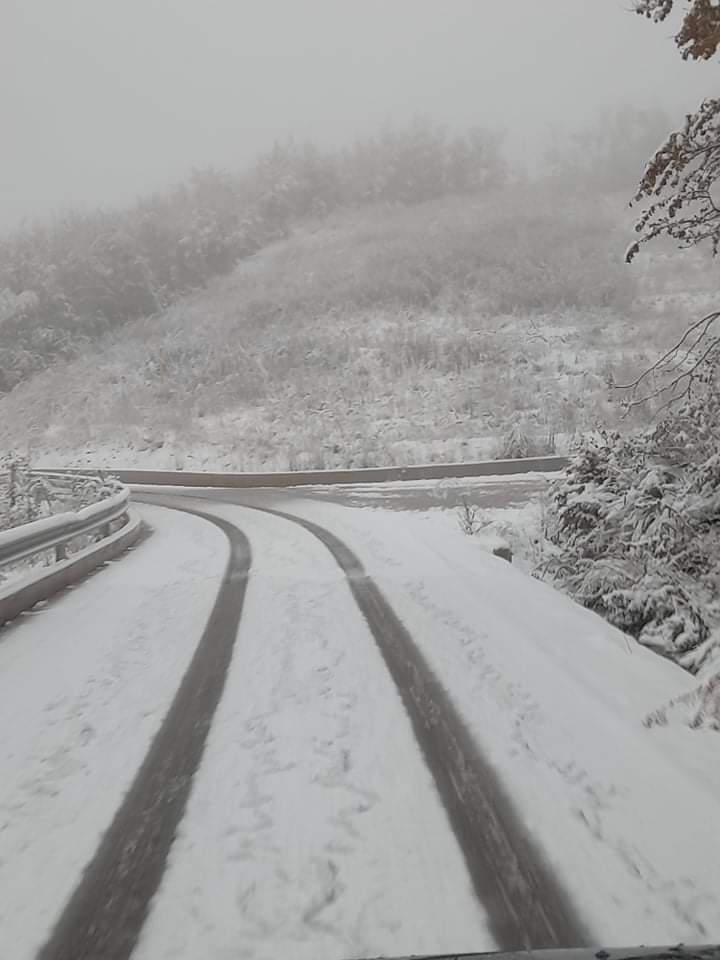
504, 552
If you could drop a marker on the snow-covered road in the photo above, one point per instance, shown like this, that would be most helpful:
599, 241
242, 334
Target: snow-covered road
84, 684
313, 827
628, 816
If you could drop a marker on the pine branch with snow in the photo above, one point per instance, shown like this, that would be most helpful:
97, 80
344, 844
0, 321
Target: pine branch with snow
635, 527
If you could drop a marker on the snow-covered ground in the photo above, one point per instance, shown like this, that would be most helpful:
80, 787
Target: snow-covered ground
491, 492
84, 684
313, 829
629, 816
500, 509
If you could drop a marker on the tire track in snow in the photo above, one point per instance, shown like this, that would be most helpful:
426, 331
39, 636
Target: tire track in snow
526, 904
105, 913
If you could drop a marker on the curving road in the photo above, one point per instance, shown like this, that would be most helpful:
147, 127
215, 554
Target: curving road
105, 914
521, 897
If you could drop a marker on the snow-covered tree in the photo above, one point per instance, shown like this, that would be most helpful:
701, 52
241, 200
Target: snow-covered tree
699, 34
681, 192
635, 529
680, 182
635, 523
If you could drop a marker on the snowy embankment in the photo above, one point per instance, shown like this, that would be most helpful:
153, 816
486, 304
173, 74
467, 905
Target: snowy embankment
84, 685
313, 829
628, 816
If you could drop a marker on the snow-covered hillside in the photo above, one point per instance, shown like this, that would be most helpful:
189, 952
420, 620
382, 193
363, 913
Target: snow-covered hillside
376, 336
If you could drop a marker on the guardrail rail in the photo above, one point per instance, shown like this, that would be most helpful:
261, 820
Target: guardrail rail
352, 475
56, 531
110, 517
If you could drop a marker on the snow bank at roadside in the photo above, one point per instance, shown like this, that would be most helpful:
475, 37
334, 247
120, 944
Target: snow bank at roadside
439, 489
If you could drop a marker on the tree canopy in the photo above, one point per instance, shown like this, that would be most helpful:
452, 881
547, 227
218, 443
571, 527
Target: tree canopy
699, 34
680, 182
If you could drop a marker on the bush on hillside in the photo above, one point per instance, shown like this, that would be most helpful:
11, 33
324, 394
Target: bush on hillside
68, 282
609, 150
517, 444
511, 252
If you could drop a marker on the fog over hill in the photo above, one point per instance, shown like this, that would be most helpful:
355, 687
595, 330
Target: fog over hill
100, 102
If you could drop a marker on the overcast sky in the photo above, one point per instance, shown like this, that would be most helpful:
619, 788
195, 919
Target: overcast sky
103, 99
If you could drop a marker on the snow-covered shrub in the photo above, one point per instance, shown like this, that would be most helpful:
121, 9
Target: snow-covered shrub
468, 518
26, 496
516, 444
699, 708
23, 498
635, 529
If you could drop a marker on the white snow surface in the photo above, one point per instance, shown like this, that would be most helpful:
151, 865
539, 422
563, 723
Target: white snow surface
439, 489
313, 829
629, 817
85, 682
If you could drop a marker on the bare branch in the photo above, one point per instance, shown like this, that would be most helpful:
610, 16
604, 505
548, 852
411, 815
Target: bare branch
704, 322
687, 379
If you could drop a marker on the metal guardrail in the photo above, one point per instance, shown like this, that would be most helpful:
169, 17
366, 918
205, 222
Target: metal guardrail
300, 478
55, 532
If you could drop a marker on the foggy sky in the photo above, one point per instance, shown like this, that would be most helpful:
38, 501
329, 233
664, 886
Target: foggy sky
103, 99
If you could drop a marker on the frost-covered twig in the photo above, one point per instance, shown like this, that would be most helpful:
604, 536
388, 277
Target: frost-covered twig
680, 386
